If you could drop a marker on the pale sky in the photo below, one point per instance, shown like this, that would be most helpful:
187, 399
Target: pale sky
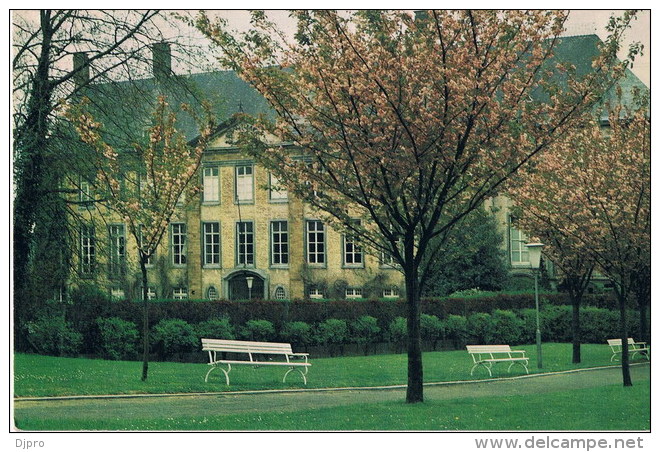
581, 22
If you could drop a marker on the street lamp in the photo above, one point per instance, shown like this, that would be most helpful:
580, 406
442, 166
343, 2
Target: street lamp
249, 280
535, 262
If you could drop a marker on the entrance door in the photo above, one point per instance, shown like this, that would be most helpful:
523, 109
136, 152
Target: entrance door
239, 290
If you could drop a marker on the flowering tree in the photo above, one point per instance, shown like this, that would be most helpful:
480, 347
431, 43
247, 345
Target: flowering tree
144, 186
104, 47
406, 123
593, 191
576, 267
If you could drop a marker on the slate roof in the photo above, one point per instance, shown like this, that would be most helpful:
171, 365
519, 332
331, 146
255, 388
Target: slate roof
229, 94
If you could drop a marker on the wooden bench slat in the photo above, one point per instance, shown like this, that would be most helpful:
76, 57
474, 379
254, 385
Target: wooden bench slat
634, 348
252, 348
488, 355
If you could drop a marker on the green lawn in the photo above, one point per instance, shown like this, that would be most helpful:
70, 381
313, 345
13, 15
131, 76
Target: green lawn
601, 408
608, 407
50, 376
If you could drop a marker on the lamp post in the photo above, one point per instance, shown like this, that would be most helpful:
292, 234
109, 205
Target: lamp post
249, 280
535, 262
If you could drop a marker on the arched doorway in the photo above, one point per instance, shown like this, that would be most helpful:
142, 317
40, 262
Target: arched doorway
239, 286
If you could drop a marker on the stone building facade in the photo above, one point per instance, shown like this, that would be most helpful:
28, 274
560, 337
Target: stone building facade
242, 238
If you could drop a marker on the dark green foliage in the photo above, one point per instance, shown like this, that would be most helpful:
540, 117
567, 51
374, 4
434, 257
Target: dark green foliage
332, 333
54, 336
258, 330
507, 327
398, 332
329, 324
456, 329
598, 325
471, 257
481, 328
433, 329
173, 336
556, 323
118, 338
215, 329
298, 334
365, 331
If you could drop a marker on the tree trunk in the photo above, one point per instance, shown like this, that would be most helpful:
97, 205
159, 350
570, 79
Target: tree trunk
575, 326
643, 330
625, 359
643, 293
31, 143
415, 391
145, 319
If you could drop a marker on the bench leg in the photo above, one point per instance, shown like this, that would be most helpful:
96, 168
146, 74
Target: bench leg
226, 372
301, 373
643, 353
488, 367
522, 363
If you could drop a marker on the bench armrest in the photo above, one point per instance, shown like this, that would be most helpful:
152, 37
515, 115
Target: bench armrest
298, 355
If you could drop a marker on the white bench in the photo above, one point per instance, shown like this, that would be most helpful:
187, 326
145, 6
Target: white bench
488, 355
294, 361
634, 348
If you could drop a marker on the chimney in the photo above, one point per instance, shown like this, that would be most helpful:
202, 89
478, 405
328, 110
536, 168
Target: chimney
81, 69
421, 15
162, 60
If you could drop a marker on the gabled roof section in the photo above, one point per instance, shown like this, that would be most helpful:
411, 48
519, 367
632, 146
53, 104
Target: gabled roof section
125, 107
581, 51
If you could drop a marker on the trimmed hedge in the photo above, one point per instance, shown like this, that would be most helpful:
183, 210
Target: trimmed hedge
453, 322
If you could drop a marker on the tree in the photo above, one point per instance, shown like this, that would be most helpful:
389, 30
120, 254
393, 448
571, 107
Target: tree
576, 267
600, 207
146, 185
57, 56
407, 124
472, 257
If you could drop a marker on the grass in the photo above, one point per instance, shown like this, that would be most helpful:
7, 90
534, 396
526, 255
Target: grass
600, 408
587, 408
36, 375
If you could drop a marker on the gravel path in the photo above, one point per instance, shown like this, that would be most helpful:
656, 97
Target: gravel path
264, 401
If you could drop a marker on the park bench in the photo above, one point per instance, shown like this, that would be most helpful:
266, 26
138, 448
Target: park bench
634, 348
256, 354
488, 355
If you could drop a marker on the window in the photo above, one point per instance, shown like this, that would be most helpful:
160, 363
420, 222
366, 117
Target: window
352, 252
144, 186
245, 243
211, 250
178, 244
277, 191
280, 293
392, 292
315, 293
315, 242
87, 250
519, 252
387, 259
150, 259
212, 293
85, 192
151, 293
180, 293
244, 184
279, 243
117, 250
211, 184
354, 293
